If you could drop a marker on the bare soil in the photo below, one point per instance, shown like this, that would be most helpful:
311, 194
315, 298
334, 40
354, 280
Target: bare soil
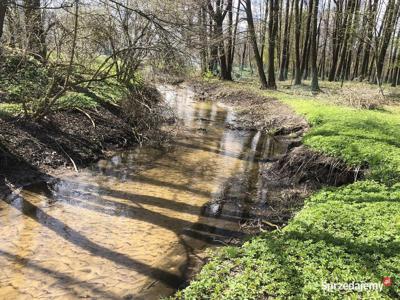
31, 149
254, 111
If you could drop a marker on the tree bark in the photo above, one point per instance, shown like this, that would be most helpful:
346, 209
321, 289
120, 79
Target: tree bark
273, 29
285, 46
203, 37
232, 52
35, 31
218, 15
306, 49
314, 49
3, 9
336, 40
367, 50
391, 14
297, 74
323, 59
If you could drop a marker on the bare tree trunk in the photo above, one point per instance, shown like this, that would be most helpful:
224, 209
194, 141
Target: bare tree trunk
390, 17
264, 31
297, 74
253, 39
285, 46
243, 58
396, 62
336, 39
273, 29
35, 30
367, 51
314, 50
218, 15
232, 52
203, 37
323, 59
348, 25
3, 9
306, 49
229, 54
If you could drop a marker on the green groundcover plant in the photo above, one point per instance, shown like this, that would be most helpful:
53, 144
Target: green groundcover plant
347, 235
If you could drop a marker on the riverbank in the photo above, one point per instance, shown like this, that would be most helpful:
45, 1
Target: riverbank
342, 235
142, 227
290, 177
84, 130
41, 132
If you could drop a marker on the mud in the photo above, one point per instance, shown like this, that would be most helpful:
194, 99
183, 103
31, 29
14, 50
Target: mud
254, 111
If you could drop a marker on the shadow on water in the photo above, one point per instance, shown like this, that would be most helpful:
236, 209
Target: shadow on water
65, 279
68, 233
143, 212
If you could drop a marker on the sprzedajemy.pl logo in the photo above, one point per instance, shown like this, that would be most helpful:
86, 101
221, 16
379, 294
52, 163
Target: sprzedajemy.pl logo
361, 286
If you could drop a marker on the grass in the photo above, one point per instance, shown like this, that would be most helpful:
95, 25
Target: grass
342, 235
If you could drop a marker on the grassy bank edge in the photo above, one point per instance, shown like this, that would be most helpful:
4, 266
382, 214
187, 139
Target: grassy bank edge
342, 235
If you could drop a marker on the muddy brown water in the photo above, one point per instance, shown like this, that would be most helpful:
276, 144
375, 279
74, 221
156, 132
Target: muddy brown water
118, 230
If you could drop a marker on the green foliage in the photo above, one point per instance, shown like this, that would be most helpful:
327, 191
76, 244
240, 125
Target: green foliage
22, 79
25, 81
208, 75
108, 91
76, 100
337, 237
342, 235
357, 136
10, 109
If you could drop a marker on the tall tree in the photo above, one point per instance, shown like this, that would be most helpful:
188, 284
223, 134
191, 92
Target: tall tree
348, 28
297, 74
233, 48
253, 39
285, 46
396, 61
3, 9
306, 47
218, 15
34, 29
323, 58
337, 37
391, 14
371, 17
273, 30
203, 39
314, 48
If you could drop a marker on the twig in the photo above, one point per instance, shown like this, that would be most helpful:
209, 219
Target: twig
270, 224
70, 158
87, 115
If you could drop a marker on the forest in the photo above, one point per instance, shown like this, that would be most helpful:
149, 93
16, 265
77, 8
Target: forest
200, 149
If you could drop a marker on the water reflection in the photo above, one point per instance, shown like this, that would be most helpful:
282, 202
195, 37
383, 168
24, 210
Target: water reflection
125, 226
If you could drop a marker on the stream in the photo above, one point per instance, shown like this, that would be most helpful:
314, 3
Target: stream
128, 226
